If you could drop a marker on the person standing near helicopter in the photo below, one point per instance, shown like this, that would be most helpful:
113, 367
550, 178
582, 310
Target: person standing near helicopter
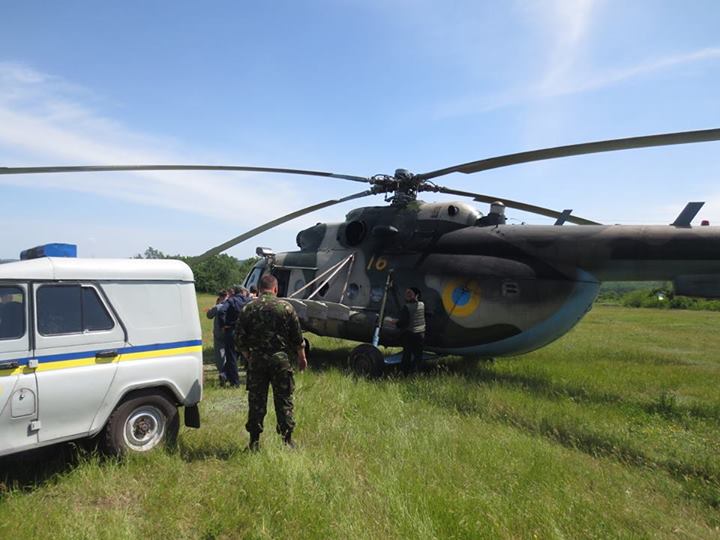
233, 306
216, 313
269, 335
412, 323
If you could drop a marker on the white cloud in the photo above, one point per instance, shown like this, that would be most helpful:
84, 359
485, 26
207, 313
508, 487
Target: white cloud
616, 76
564, 30
553, 85
568, 22
45, 120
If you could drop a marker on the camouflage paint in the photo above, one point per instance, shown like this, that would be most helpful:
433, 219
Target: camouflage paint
489, 290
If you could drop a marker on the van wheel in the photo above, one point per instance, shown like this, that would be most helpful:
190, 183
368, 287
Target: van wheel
142, 422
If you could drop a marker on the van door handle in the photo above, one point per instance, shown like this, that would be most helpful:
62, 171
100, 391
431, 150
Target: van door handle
11, 364
106, 354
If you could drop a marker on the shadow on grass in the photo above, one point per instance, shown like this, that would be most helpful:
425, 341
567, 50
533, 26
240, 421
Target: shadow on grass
221, 452
483, 372
31, 469
325, 359
700, 480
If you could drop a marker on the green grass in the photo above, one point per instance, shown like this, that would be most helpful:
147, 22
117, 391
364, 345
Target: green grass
611, 432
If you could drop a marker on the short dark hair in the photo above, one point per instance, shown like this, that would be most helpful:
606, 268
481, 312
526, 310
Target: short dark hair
417, 292
222, 292
253, 289
268, 282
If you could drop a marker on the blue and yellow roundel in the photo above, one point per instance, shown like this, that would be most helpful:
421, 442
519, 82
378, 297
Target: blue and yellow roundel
461, 298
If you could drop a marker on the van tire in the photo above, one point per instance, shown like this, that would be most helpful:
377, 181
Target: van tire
141, 422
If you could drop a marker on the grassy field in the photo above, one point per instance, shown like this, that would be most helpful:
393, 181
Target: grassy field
611, 432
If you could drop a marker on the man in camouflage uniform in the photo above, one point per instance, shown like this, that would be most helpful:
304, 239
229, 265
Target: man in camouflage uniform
268, 333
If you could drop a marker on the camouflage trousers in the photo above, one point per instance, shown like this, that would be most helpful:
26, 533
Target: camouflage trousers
264, 371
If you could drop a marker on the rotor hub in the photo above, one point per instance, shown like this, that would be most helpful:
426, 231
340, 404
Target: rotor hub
403, 186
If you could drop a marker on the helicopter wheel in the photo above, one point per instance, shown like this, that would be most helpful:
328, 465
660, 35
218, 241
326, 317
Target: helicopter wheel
367, 360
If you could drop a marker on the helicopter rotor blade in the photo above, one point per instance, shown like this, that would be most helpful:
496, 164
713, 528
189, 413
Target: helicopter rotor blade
665, 139
103, 168
275, 222
518, 206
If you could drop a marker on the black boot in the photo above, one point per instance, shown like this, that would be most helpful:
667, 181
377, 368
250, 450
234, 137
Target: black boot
287, 440
254, 444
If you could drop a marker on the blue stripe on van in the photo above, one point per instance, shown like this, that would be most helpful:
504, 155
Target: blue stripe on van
122, 350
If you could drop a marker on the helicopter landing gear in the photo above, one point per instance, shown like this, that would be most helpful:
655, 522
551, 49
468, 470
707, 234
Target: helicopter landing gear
367, 360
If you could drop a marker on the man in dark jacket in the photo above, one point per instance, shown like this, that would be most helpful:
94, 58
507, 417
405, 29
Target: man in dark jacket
233, 306
216, 313
412, 323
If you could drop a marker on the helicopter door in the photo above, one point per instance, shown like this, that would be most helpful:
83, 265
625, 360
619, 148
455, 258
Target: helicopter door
283, 277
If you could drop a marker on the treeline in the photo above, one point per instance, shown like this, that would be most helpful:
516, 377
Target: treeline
211, 274
657, 295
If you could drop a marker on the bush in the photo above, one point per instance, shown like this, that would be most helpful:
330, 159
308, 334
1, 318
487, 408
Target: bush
649, 298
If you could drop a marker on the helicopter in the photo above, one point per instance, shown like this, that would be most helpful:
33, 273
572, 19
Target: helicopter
490, 288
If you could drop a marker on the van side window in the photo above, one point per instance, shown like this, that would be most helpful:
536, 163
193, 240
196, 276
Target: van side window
95, 316
12, 313
70, 309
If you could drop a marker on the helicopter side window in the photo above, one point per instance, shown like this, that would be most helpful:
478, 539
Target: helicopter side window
352, 291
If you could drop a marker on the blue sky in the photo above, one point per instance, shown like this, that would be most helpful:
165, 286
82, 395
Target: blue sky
355, 87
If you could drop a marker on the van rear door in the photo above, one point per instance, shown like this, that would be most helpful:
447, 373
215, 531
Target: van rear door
18, 386
78, 341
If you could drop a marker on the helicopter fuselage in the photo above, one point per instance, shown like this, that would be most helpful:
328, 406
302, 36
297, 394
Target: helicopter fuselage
488, 290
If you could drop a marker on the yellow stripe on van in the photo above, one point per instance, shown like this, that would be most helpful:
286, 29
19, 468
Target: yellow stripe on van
92, 361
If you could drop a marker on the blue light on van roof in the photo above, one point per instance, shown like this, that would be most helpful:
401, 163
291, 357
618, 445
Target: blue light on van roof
49, 250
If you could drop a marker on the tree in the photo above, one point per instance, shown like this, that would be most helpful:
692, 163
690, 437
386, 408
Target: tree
211, 274
216, 272
151, 253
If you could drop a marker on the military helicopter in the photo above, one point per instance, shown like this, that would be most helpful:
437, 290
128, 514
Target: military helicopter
490, 288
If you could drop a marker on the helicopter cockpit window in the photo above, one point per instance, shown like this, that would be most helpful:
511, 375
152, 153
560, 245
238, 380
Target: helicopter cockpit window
355, 232
12, 313
453, 210
253, 278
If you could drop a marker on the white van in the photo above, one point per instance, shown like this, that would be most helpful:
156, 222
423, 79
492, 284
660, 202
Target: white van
92, 345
